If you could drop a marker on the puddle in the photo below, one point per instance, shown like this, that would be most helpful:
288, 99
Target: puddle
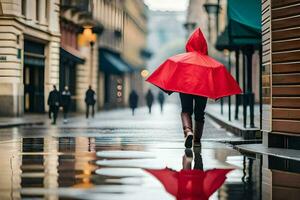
125, 154
84, 168
132, 163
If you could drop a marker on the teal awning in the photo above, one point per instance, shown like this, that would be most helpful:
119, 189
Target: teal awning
247, 13
112, 63
244, 22
244, 25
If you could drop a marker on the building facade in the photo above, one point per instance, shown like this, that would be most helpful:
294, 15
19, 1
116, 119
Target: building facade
29, 49
135, 43
281, 94
45, 43
70, 56
120, 47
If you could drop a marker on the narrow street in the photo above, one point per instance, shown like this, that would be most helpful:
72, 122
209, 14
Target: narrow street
104, 158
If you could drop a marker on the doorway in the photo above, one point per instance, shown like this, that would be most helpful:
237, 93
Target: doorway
34, 89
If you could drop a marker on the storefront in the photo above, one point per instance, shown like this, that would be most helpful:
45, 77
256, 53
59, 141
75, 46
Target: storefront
34, 73
67, 73
114, 70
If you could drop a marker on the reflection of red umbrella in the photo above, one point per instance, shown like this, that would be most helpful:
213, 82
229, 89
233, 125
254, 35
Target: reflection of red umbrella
194, 72
191, 184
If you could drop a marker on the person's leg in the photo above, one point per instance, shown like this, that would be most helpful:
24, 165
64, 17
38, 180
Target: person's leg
93, 111
187, 159
186, 118
55, 111
200, 104
65, 112
50, 111
87, 111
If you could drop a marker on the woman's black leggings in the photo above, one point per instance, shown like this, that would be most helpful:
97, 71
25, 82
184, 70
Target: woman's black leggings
187, 105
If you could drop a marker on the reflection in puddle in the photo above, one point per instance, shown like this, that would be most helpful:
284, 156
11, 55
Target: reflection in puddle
134, 163
191, 184
125, 154
120, 172
188, 183
81, 168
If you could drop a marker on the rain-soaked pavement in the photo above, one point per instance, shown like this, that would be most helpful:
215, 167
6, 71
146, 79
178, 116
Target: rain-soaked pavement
109, 157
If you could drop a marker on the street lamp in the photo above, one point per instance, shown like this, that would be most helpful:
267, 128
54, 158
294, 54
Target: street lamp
212, 7
90, 38
144, 73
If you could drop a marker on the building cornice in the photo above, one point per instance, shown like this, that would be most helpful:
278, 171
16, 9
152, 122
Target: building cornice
28, 29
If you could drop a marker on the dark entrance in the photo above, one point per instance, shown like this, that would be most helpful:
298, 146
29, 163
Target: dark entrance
67, 73
67, 77
34, 88
34, 64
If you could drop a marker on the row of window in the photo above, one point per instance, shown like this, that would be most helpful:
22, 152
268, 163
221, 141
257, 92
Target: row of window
38, 9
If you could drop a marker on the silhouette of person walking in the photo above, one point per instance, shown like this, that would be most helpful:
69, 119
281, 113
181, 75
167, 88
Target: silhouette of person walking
133, 100
65, 102
149, 100
90, 101
161, 100
53, 103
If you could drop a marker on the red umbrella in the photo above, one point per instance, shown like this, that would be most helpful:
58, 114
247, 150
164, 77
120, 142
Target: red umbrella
194, 72
190, 184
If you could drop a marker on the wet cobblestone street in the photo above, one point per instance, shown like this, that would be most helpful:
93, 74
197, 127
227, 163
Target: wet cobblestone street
105, 158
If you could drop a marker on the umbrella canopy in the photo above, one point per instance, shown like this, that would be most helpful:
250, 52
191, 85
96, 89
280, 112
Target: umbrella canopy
194, 72
190, 184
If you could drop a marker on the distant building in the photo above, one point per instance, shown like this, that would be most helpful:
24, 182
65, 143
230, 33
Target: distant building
166, 38
29, 54
75, 58
135, 44
121, 44
166, 35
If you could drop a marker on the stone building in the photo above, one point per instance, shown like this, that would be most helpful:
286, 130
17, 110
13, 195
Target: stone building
120, 47
45, 43
29, 50
79, 50
135, 42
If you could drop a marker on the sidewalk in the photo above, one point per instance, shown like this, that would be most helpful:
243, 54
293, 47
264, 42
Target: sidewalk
234, 126
26, 120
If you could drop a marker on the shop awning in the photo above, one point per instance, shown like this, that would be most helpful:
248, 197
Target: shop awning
244, 25
66, 55
223, 41
112, 63
244, 22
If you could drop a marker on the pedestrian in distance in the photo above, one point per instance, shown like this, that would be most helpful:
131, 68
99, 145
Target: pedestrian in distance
90, 101
149, 100
161, 100
53, 103
196, 77
133, 100
65, 102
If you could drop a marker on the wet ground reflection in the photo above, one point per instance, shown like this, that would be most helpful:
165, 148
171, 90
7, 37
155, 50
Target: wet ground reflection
80, 168
188, 183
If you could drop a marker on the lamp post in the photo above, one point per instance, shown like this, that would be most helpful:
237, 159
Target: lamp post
212, 7
90, 38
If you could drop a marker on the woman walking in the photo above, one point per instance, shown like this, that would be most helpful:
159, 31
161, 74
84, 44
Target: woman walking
196, 77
